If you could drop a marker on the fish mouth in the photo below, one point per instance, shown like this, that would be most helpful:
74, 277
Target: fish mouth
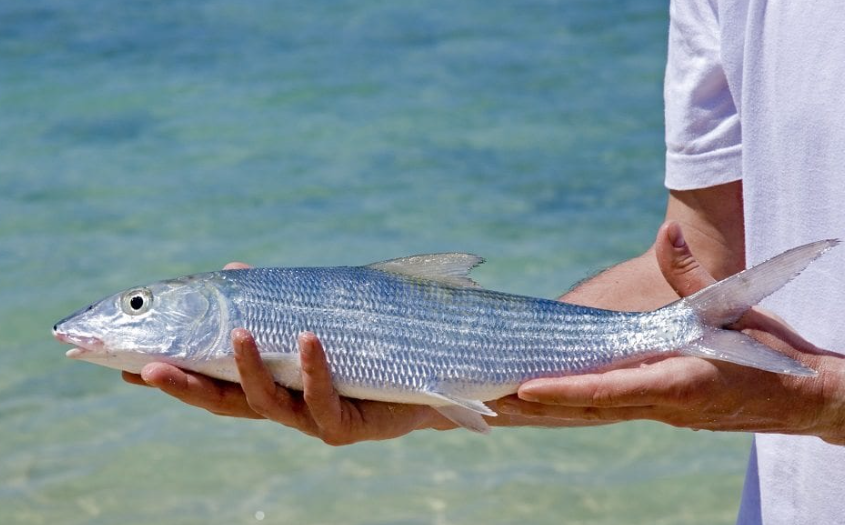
85, 344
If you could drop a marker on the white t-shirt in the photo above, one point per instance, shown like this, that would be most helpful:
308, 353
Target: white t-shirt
755, 90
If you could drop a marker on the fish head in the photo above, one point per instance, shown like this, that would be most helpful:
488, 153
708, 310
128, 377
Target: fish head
165, 321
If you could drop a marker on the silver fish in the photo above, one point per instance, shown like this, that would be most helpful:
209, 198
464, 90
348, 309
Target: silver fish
417, 329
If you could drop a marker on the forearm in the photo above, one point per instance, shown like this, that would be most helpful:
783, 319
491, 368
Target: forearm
633, 285
711, 219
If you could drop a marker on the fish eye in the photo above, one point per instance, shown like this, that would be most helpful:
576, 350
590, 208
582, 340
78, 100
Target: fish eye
136, 302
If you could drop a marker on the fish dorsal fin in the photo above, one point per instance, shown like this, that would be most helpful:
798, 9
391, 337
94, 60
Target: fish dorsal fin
446, 268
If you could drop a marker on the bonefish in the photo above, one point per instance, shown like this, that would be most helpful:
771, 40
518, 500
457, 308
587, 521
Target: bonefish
417, 329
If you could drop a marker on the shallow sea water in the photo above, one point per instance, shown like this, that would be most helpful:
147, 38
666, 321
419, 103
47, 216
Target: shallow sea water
147, 140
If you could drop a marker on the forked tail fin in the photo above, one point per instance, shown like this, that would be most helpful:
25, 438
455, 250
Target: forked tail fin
725, 301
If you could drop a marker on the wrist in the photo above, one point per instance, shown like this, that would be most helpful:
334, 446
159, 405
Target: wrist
831, 385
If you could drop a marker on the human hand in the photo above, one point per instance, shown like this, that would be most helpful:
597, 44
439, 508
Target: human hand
700, 394
317, 411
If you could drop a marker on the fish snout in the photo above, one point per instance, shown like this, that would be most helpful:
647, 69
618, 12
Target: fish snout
83, 342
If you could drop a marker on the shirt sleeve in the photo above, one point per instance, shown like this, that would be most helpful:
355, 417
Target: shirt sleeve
703, 134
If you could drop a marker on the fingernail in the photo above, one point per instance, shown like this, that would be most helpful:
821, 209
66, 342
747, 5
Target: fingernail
239, 335
676, 236
526, 395
145, 373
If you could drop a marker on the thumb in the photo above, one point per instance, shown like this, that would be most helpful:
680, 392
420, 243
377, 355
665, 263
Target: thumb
680, 268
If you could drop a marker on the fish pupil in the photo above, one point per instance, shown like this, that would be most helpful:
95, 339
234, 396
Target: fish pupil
136, 302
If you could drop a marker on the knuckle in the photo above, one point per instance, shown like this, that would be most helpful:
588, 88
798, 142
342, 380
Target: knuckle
691, 395
603, 396
685, 264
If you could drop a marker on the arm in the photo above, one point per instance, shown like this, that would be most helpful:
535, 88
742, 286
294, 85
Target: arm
712, 222
695, 393
679, 390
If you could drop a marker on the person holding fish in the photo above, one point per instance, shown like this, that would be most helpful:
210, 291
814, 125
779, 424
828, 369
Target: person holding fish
755, 106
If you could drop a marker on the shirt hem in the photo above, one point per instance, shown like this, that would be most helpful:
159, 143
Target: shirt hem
688, 172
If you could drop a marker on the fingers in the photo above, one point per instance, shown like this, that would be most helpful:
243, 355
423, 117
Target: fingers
236, 266
657, 392
578, 416
616, 388
320, 396
166, 377
134, 379
262, 393
770, 329
342, 421
198, 390
661, 383
679, 267
318, 411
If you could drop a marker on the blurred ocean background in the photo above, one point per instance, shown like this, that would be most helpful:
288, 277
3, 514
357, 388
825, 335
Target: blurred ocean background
145, 140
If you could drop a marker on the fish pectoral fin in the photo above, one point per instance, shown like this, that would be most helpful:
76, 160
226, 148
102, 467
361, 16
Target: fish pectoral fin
446, 268
466, 418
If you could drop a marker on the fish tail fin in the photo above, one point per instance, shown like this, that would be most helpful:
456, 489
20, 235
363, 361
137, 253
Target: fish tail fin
726, 301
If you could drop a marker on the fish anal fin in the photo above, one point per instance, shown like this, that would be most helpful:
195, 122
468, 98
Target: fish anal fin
446, 268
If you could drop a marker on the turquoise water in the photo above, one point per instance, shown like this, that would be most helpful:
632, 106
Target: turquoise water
146, 140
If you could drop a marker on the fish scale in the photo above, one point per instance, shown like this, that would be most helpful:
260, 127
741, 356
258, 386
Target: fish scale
416, 329
459, 334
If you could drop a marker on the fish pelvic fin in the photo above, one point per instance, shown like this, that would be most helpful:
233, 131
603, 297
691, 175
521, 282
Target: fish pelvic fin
451, 269
464, 417
464, 412
726, 301
469, 404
